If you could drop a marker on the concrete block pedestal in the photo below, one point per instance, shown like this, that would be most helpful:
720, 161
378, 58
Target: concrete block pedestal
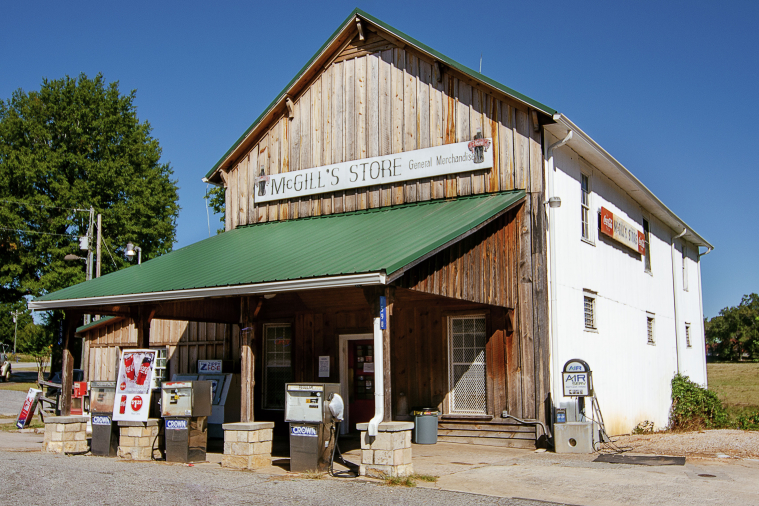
247, 445
137, 439
66, 434
389, 453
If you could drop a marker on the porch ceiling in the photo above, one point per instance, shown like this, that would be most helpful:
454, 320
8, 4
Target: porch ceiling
349, 249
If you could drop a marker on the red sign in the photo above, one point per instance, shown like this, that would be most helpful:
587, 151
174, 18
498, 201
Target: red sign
621, 231
136, 403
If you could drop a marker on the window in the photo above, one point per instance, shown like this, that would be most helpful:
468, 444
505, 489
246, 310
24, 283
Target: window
647, 239
467, 365
159, 369
590, 311
685, 268
687, 335
278, 368
585, 207
650, 328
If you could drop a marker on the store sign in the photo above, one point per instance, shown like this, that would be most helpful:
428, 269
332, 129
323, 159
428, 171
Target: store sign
209, 366
132, 400
622, 232
390, 169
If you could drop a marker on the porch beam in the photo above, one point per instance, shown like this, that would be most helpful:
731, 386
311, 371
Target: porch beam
70, 323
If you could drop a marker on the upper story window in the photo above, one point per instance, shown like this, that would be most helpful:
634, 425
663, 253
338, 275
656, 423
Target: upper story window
647, 238
651, 328
685, 268
585, 207
687, 335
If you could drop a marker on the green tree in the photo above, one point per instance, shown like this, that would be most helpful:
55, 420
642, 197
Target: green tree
7, 327
734, 334
216, 199
74, 144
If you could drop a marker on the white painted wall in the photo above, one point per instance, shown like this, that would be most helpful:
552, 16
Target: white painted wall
631, 378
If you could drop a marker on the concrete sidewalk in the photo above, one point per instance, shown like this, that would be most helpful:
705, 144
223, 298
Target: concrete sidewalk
576, 479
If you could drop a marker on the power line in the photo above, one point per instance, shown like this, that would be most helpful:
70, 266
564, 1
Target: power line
36, 232
45, 205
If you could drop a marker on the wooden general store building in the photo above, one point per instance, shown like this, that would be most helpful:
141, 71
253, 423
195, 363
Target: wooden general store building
461, 259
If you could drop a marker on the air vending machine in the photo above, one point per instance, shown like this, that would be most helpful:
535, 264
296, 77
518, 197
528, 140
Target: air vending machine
221, 384
307, 411
105, 434
185, 407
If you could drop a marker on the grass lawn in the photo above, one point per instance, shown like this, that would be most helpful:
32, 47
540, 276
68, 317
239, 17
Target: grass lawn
19, 387
736, 384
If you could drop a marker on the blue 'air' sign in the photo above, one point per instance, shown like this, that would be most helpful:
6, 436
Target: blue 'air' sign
577, 379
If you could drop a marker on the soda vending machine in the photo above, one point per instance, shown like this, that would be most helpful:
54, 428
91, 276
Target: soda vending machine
105, 434
185, 407
306, 409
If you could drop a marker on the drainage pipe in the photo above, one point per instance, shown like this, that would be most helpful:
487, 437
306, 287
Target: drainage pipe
701, 309
677, 298
555, 374
379, 381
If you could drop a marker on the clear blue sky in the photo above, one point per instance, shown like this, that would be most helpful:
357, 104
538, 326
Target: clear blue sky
669, 90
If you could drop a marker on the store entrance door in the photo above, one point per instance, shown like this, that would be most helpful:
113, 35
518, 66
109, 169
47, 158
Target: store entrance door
357, 379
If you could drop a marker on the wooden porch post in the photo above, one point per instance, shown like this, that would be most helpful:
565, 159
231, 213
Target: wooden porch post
142, 321
67, 369
372, 295
389, 297
249, 309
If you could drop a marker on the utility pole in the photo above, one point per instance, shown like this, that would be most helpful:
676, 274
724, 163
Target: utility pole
15, 332
100, 223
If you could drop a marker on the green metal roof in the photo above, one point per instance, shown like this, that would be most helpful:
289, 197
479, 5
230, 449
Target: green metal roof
377, 240
408, 39
96, 323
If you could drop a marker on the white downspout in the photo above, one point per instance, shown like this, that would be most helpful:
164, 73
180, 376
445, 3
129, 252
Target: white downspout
701, 308
677, 299
379, 383
554, 364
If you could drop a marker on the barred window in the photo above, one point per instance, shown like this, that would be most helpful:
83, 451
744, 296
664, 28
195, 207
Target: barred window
467, 365
278, 368
590, 312
687, 335
651, 328
585, 207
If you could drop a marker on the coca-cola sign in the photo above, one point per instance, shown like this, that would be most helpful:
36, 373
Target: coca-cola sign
621, 231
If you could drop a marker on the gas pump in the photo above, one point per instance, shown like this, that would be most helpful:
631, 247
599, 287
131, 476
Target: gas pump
185, 407
105, 436
307, 411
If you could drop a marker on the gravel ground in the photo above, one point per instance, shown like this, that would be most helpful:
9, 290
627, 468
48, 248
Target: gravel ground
86, 480
707, 444
11, 402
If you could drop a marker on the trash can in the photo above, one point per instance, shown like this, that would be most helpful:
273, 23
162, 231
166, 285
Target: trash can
425, 425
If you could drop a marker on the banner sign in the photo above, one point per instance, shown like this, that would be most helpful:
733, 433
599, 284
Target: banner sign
396, 168
132, 400
29, 407
622, 232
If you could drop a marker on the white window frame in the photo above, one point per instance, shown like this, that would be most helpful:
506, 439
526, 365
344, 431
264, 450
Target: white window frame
586, 225
266, 366
650, 329
160, 350
647, 238
589, 297
451, 394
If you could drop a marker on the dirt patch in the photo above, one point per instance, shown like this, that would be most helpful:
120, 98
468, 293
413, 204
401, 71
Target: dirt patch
707, 444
